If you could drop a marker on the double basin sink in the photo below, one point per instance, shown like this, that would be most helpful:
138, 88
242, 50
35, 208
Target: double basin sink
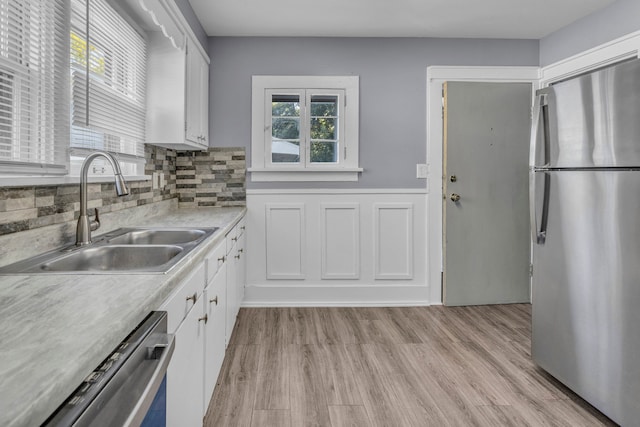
124, 251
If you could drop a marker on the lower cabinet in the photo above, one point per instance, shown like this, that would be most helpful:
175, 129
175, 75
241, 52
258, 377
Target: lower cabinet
202, 313
185, 374
214, 306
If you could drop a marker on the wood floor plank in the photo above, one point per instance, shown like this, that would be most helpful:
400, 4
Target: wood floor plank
271, 418
340, 387
233, 397
409, 366
348, 416
308, 401
272, 383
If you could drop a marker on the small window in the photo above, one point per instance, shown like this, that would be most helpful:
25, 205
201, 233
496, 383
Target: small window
305, 128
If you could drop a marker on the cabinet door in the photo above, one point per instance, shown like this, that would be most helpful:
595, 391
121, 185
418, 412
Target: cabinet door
231, 308
214, 302
185, 372
241, 262
197, 96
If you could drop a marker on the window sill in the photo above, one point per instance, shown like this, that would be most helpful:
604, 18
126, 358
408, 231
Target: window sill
308, 174
30, 181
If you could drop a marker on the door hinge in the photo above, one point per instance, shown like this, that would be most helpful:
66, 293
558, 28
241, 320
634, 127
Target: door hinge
345, 152
530, 270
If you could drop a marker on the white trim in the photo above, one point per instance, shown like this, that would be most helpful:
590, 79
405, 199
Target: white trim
354, 238
617, 50
272, 242
306, 174
21, 181
309, 295
436, 75
255, 192
377, 243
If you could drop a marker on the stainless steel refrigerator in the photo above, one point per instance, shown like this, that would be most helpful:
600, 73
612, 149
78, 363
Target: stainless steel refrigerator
585, 216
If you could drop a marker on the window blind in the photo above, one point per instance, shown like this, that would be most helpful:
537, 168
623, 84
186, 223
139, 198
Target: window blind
34, 88
108, 66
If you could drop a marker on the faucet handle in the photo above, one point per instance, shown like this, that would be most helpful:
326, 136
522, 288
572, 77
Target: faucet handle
95, 223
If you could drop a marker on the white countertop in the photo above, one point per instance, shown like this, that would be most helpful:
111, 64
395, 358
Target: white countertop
55, 329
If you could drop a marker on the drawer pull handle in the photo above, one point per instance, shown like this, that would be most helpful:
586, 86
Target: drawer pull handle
240, 250
235, 239
223, 258
242, 228
193, 297
205, 318
214, 300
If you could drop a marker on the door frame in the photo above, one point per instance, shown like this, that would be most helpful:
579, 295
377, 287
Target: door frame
436, 75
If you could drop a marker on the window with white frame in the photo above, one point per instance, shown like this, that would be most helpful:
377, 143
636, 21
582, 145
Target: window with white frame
108, 75
34, 93
72, 80
304, 128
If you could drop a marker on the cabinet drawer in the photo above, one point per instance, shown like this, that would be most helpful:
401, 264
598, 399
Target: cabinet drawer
215, 260
240, 227
231, 239
182, 300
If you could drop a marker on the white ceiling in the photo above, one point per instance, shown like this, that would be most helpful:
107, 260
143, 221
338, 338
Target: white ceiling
522, 19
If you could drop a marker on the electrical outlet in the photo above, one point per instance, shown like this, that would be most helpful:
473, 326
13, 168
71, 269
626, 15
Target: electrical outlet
421, 170
154, 181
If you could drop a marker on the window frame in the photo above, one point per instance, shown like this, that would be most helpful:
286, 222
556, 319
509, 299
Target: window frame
346, 169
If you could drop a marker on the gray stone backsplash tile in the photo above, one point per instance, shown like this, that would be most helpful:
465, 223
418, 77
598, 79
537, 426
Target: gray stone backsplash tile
215, 177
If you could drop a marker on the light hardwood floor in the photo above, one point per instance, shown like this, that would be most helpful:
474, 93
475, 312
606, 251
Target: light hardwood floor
410, 366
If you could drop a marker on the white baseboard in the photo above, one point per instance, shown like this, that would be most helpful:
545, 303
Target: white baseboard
375, 295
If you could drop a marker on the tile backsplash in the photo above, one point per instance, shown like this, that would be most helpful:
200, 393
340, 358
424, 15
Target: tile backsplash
210, 178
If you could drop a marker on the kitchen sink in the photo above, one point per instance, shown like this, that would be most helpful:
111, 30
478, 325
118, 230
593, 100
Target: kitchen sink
158, 237
122, 251
110, 258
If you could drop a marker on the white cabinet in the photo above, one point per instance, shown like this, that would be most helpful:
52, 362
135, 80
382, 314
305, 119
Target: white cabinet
197, 98
177, 93
185, 376
214, 306
235, 274
201, 313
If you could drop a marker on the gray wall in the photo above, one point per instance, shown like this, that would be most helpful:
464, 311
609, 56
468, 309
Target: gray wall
616, 20
392, 91
192, 19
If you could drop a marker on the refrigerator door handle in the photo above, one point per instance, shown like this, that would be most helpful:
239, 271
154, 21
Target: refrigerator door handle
539, 101
539, 236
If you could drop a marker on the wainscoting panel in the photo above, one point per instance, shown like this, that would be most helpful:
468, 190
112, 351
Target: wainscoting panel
285, 235
393, 231
340, 234
326, 247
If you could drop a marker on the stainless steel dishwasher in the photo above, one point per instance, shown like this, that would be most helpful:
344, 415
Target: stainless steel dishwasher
128, 388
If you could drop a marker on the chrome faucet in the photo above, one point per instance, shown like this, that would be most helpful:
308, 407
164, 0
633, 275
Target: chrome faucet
85, 225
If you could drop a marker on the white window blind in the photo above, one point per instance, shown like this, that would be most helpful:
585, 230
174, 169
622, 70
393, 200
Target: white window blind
34, 88
110, 58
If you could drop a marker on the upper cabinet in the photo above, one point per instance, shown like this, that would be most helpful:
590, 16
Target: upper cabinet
197, 97
177, 81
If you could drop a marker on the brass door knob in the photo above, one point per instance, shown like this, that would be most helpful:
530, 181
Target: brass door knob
454, 197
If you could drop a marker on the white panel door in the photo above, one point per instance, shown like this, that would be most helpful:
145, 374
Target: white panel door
393, 240
285, 234
340, 233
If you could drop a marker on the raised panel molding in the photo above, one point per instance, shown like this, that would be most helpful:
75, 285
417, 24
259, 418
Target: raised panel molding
285, 240
340, 237
393, 240
337, 247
